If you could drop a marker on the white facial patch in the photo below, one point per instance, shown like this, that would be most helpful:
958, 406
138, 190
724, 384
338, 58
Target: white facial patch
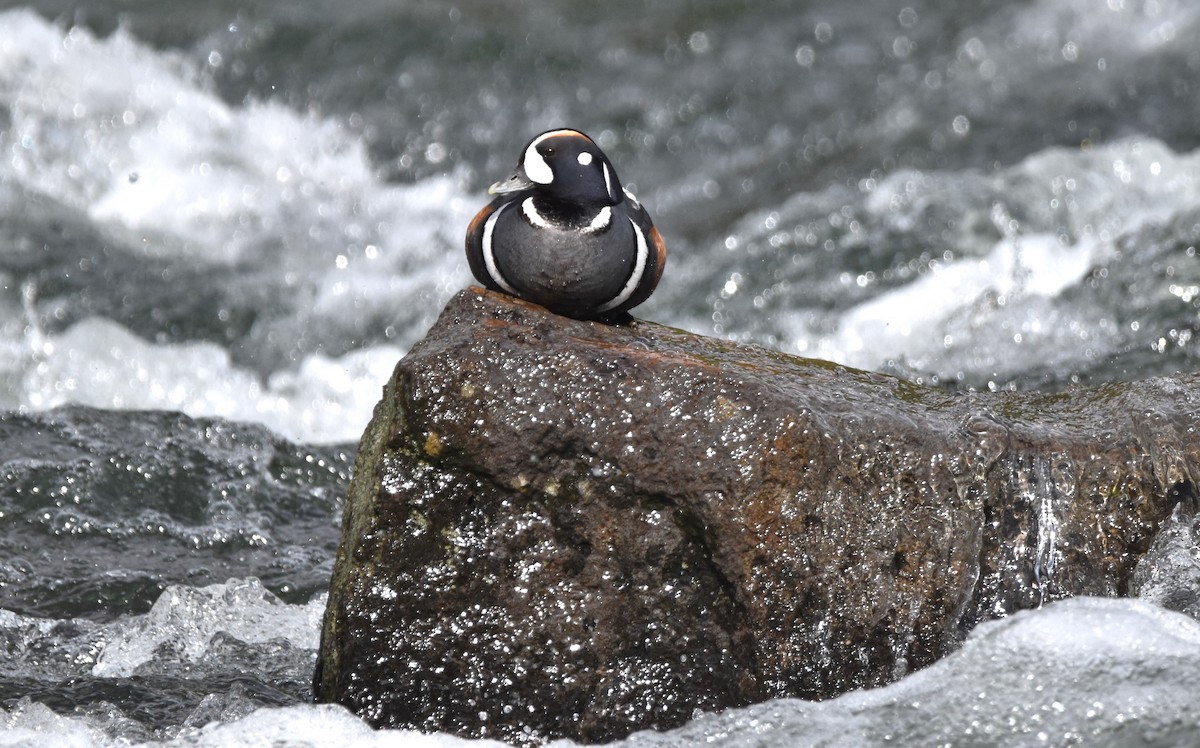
608, 182
584, 158
536, 167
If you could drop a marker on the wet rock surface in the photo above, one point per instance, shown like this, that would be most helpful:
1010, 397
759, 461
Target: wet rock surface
562, 528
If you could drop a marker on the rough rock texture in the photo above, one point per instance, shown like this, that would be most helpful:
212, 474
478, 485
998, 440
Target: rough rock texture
563, 528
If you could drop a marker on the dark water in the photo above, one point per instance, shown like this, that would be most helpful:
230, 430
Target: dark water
248, 211
173, 500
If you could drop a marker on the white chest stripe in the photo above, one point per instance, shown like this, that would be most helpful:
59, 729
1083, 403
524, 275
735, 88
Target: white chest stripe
489, 256
635, 278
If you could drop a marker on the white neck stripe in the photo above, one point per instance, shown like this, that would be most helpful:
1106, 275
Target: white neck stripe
531, 212
600, 222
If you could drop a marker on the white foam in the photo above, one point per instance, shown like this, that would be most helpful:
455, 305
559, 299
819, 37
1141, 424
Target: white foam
132, 138
187, 618
131, 135
35, 725
1090, 667
1002, 307
1085, 671
318, 726
911, 320
99, 363
1117, 27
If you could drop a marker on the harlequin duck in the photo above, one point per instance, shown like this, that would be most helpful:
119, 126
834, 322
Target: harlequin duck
563, 233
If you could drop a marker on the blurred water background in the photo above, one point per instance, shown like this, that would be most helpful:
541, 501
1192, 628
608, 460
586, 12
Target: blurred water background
222, 223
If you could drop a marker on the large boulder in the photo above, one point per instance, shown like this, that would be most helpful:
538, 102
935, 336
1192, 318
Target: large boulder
565, 528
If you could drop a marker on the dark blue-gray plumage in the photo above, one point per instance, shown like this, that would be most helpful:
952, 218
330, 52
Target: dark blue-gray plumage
563, 233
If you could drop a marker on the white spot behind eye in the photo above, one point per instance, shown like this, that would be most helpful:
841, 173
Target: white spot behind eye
584, 158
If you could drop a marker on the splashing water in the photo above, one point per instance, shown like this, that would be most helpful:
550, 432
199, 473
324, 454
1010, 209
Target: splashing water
251, 214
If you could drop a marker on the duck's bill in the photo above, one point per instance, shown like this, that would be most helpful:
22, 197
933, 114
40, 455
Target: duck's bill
515, 182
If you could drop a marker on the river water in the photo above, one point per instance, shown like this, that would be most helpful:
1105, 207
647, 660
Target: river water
245, 214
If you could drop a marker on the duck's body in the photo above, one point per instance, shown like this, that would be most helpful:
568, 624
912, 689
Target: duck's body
564, 234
